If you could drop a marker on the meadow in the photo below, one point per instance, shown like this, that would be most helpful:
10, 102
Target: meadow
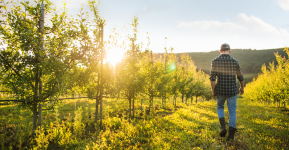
188, 126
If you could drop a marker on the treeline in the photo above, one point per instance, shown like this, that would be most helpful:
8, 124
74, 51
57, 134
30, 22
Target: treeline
250, 60
40, 63
271, 86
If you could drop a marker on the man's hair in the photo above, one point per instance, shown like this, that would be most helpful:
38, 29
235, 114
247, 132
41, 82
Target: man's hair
225, 47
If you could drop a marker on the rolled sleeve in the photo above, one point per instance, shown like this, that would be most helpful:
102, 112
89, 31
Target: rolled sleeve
240, 76
213, 72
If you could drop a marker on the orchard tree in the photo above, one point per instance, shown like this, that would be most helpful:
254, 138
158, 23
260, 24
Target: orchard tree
152, 71
185, 77
202, 86
192, 77
174, 84
164, 78
91, 76
37, 58
130, 79
272, 84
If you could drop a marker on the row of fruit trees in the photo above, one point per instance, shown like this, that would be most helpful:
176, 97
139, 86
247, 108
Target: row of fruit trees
41, 62
271, 86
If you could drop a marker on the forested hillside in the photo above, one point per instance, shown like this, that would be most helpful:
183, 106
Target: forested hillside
251, 61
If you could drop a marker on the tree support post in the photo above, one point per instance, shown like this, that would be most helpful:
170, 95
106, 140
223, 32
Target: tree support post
96, 109
101, 73
40, 82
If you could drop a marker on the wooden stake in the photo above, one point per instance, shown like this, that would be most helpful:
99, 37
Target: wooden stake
101, 72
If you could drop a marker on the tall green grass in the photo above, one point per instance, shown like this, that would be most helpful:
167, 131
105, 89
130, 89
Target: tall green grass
192, 126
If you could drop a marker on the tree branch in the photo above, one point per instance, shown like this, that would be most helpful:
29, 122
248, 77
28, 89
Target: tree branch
17, 73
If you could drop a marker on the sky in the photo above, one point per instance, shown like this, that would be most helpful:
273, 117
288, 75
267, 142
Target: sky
197, 25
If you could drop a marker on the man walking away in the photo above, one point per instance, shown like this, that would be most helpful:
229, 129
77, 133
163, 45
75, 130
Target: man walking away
224, 69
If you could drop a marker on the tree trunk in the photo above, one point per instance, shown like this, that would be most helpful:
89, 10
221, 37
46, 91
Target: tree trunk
175, 101
39, 116
191, 99
133, 106
74, 102
35, 103
129, 109
182, 98
162, 100
40, 105
165, 98
196, 99
34, 118
96, 109
150, 104
100, 110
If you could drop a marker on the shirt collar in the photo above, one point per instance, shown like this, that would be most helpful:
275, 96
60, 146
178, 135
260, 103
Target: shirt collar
225, 55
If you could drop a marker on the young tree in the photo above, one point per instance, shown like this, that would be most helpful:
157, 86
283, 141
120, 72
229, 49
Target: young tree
186, 77
130, 79
175, 73
152, 72
36, 56
94, 77
163, 79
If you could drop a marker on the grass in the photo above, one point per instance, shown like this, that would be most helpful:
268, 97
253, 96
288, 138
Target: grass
192, 126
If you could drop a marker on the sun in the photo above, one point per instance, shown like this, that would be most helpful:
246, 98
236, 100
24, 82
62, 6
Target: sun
114, 55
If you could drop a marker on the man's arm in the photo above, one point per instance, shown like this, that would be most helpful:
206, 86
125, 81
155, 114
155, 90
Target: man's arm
213, 84
241, 79
241, 89
213, 77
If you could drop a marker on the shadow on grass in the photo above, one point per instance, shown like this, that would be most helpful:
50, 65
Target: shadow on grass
197, 132
256, 119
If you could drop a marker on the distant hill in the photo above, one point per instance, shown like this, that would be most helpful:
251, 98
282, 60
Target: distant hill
250, 61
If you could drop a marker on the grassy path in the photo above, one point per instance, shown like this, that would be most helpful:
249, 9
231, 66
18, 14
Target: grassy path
259, 126
195, 126
262, 126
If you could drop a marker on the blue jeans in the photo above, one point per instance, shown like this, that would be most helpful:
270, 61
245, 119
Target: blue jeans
232, 105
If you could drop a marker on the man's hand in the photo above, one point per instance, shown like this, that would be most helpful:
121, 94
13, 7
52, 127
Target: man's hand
241, 91
213, 84
214, 95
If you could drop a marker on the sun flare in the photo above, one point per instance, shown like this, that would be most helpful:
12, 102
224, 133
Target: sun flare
114, 55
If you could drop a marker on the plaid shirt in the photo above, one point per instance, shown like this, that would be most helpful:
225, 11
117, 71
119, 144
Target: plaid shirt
225, 68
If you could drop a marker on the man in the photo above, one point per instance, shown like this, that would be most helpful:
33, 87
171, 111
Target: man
225, 68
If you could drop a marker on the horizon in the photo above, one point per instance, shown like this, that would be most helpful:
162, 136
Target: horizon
231, 49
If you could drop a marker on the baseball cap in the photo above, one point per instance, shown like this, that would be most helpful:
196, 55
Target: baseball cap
225, 47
